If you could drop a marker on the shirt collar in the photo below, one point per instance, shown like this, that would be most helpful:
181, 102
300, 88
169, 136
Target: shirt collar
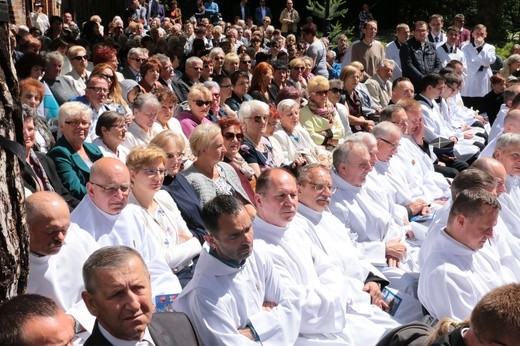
115, 341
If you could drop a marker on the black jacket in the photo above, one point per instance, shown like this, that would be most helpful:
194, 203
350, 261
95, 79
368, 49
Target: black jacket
416, 62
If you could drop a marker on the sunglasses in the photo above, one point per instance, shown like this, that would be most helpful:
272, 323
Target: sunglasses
138, 59
321, 92
230, 136
79, 58
335, 90
298, 68
201, 103
259, 118
245, 61
111, 77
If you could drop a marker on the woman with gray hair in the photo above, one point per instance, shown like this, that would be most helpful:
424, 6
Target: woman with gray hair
511, 66
111, 130
208, 175
140, 131
256, 148
294, 140
73, 156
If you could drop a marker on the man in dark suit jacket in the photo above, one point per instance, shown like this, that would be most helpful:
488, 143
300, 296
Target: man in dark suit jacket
242, 10
261, 12
418, 56
118, 293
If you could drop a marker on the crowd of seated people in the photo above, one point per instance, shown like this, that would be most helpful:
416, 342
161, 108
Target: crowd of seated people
276, 193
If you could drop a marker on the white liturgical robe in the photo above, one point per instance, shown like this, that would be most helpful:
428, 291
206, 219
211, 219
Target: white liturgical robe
59, 276
459, 276
322, 284
220, 299
126, 228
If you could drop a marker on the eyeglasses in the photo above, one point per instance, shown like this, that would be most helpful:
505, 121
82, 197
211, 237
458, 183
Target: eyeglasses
170, 156
76, 123
258, 118
138, 59
98, 89
321, 92
107, 76
152, 172
394, 146
321, 187
201, 103
230, 136
113, 188
245, 61
336, 90
79, 57
216, 95
298, 68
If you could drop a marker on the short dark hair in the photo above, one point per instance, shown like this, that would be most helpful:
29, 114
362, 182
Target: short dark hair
471, 178
15, 312
431, 79
396, 82
218, 206
388, 111
235, 76
471, 202
310, 28
108, 119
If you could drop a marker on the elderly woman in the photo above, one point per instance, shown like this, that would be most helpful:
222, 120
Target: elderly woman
140, 131
357, 118
215, 112
208, 175
111, 129
240, 83
256, 149
199, 100
232, 134
73, 156
319, 117
150, 71
293, 139
207, 69
172, 143
39, 172
335, 93
260, 82
31, 94
511, 66
79, 73
297, 66
159, 212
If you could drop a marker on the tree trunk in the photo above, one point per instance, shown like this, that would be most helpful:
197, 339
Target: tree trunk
14, 239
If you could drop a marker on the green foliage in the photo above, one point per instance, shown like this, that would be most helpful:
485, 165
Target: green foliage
505, 50
337, 9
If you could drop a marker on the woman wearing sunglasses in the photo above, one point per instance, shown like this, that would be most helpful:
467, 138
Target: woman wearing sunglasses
233, 136
256, 148
208, 175
158, 210
319, 117
199, 101
77, 56
296, 79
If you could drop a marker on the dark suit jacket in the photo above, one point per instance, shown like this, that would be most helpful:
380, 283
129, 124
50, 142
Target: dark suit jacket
258, 15
128, 73
72, 170
29, 179
416, 62
181, 88
166, 329
238, 12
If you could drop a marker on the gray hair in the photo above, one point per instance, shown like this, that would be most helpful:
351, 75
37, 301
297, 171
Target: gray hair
336, 83
342, 153
286, 104
212, 85
305, 172
192, 60
163, 58
135, 50
507, 140
109, 257
386, 62
248, 108
72, 109
144, 100
53, 56
213, 53
385, 128
203, 136
388, 111
362, 137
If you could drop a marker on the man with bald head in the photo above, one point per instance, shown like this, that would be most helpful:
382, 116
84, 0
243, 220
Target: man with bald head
102, 213
58, 249
511, 125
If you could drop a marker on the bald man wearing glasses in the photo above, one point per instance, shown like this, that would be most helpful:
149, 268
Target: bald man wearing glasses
102, 212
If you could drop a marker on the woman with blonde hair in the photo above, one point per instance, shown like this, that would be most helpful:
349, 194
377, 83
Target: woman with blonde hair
200, 100
511, 66
159, 212
320, 118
